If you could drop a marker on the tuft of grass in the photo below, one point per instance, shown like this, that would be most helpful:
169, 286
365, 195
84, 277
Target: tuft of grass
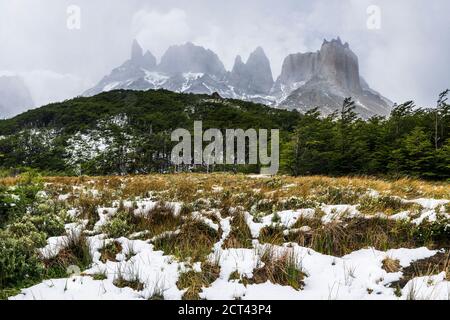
76, 252
426, 267
157, 295
194, 241
283, 270
388, 205
109, 251
339, 239
235, 275
391, 265
158, 220
240, 235
133, 284
131, 281
100, 276
337, 195
88, 209
272, 234
193, 281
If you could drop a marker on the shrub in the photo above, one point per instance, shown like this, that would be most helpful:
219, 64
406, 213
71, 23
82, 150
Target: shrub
19, 264
118, 226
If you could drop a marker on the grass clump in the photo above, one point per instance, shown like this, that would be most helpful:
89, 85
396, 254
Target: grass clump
110, 251
130, 279
391, 265
386, 204
159, 219
337, 195
194, 281
134, 284
194, 241
100, 276
283, 270
426, 267
339, 239
75, 253
240, 235
273, 234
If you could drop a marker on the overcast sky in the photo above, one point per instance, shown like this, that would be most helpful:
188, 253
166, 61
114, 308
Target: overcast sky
407, 58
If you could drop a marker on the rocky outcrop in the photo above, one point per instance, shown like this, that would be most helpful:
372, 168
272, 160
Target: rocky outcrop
254, 77
324, 79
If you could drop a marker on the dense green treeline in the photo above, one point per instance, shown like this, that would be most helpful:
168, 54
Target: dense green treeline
413, 142
126, 132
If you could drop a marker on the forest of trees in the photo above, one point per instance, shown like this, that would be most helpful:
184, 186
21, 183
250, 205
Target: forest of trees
411, 142
131, 134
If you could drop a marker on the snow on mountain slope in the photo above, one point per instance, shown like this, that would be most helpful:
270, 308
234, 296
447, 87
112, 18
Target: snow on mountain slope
320, 79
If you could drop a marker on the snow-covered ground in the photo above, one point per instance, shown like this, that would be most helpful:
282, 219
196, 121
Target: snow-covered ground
358, 275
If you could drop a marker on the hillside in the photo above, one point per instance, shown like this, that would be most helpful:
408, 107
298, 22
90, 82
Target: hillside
128, 132
158, 109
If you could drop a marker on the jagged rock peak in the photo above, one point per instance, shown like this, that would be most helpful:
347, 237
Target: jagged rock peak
259, 51
141, 60
136, 50
321, 78
254, 76
191, 58
337, 42
148, 61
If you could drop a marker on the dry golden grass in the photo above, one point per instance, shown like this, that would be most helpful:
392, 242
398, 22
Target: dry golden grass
232, 195
240, 235
194, 241
391, 265
283, 270
110, 251
193, 282
187, 187
426, 267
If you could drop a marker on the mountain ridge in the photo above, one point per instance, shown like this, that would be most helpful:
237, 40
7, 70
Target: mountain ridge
320, 79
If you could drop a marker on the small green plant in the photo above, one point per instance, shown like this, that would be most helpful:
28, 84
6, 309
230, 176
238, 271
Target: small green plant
119, 226
100, 276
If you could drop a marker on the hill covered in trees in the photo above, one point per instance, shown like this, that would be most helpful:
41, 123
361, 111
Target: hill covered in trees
128, 132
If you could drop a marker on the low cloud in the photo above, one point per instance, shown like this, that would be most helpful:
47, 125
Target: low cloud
47, 86
157, 31
406, 59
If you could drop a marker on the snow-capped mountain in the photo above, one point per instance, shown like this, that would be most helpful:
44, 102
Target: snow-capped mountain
316, 79
14, 96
